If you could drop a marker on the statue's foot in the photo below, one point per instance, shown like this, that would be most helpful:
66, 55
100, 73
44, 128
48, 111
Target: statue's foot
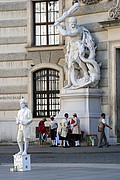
19, 153
24, 153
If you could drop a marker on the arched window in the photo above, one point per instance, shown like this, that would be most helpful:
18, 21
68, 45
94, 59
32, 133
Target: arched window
46, 93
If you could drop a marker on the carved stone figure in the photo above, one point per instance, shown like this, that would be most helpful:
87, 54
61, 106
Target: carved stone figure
114, 12
23, 120
88, 2
82, 69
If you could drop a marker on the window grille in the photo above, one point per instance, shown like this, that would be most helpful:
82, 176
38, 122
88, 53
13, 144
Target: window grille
46, 93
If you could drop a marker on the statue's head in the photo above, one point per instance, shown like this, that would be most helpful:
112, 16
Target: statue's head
23, 103
73, 21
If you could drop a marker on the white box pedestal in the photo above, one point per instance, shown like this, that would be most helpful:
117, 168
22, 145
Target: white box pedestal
22, 162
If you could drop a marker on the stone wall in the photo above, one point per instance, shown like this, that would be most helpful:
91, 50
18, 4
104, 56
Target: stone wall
13, 65
17, 55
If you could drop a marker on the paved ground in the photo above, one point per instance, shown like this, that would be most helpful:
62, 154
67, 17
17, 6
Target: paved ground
62, 171
85, 162
46, 154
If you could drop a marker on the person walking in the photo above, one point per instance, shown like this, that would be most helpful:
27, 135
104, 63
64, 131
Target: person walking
101, 128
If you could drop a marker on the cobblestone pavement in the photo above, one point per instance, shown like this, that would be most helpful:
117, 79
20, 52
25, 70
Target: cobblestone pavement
82, 163
64, 171
84, 154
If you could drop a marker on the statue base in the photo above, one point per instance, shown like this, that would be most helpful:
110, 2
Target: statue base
86, 103
22, 162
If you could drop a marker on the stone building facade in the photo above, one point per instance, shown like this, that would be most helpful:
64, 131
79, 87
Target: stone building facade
20, 59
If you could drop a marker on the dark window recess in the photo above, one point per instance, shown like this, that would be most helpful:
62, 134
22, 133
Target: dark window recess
46, 93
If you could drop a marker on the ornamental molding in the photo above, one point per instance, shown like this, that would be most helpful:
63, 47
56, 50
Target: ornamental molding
114, 12
89, 2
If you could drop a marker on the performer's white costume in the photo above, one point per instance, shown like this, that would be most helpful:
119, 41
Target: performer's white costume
23, 120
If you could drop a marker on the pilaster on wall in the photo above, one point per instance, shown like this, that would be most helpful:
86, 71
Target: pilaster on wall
112, 45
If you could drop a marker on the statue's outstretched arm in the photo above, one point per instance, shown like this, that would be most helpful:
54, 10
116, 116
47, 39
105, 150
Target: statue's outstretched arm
67, 13
63, 31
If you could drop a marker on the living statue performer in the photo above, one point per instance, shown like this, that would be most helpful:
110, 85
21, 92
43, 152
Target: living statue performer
23, 120
82, 69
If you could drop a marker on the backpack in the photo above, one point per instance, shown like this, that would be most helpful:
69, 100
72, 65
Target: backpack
41, 128
100, 125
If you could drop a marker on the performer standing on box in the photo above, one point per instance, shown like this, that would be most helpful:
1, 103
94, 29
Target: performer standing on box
23, 120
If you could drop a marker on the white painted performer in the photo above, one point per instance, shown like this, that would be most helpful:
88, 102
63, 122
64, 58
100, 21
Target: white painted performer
82, 69
23, 120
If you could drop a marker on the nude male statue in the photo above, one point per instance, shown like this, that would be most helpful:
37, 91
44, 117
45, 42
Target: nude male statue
82, 69
75, 47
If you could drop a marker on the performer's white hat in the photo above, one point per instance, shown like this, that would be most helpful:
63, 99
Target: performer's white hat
23, 101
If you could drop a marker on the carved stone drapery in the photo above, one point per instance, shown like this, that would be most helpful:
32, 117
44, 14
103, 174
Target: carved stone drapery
114, 12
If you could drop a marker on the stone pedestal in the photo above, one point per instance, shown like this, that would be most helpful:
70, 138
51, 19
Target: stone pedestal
22, 162
86, 103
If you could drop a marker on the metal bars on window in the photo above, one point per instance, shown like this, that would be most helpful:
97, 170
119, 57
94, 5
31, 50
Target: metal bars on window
46, 94
45, 14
